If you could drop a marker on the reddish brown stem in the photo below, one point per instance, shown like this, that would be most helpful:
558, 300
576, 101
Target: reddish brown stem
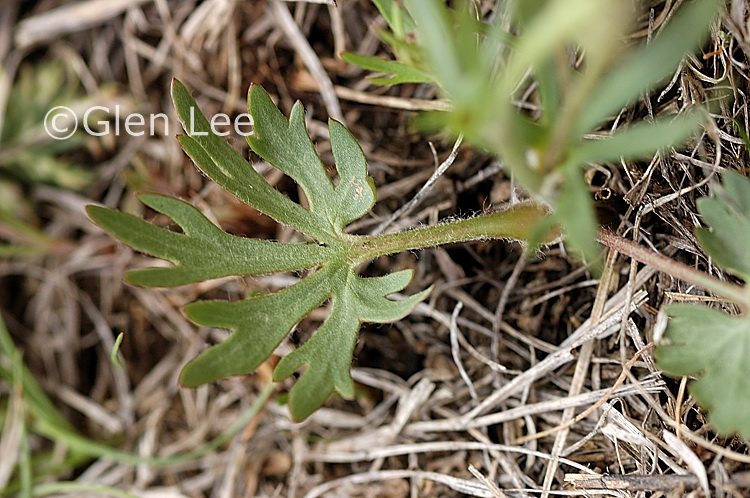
728, 291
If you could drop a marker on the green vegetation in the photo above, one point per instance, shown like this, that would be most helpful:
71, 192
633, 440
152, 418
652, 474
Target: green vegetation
481, 69
30, 412
29, 156
709, 343
261, 322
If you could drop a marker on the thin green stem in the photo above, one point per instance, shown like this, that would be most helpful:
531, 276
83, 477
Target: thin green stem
79, 487
94, 449
514, 223
115, 349
731, 292
35, 399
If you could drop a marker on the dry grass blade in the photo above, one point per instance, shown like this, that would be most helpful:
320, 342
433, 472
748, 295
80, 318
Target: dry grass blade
388, 101
491, 487
689, 457
67, 19
470, 488
298, 39
422, 192
632, 482
584, 334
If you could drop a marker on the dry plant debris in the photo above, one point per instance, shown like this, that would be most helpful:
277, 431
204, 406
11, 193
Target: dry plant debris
466, 396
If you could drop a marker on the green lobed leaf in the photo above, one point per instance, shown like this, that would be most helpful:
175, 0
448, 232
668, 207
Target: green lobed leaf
355, 193
354, 300
203, 251
260, 323
716, 347
728, 239
216, 158
247, 348
287, 146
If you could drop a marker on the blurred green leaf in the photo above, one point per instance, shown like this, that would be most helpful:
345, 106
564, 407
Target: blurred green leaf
648, 65
575, 213
433, 23
37, 401
639, 140
27, 153
482, 71
549, 30
401, 73
397, 18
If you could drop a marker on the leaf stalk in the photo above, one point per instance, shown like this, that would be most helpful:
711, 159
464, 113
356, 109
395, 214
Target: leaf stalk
514, 223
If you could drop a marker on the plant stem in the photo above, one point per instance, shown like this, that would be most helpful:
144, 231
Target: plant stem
514, 223
731, 292
74, 441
